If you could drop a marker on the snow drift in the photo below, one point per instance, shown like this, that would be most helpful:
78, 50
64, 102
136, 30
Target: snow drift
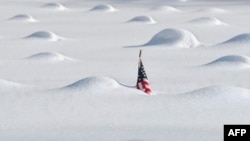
207, 21
236, 61
213, 10
104, 8
48, 57
11, 87
143, 19
167, 9
23, 18
44, 35
174, 38
242, 38
93, 84
219, 93
54, 6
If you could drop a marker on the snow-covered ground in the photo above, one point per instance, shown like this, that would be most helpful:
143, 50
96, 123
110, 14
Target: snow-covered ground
69, 67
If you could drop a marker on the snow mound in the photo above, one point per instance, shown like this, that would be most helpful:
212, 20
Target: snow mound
213, 10
23, 18
143, 19
8, 87
54, 6
104, 8
174, 38
94, 83
220, 93
207, 21
168, 9
44, 35
8, 84
242, 38
48, 56
231, 60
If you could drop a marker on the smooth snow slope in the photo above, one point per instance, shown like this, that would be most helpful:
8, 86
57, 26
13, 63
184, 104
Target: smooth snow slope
198, 68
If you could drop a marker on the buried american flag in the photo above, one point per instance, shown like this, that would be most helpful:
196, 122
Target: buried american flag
142, 80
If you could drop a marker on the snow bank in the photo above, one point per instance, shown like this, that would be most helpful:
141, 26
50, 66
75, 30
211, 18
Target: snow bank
44, 35
220, 93
213, 10
23, 18
143, 19
207, 21
94, 84
242, 38
48, 57
174, 38
54, 6
7, 87
236, 61
104, 8
167, 9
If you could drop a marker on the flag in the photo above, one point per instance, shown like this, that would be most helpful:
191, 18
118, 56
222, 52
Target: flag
142, 80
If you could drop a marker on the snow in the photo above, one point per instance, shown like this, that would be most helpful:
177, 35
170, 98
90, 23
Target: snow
23, 18
49, 57
143, 19
54, 6
165, 9
174, 38
207, 21
44, 35
71, 75
231, 61
104, 8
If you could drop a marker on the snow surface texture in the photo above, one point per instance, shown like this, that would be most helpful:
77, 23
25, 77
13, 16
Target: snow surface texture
174, 38
44, 35
23, 18
54, 6
166, 9
49, 57
143, 19
235, 61
104, 8
46, 94
207, 21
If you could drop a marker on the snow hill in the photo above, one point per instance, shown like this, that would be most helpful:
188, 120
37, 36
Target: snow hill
104, 8
44, 35
172, 37
23, 18
54, 6
235, 61
242, 38
165, 9
93, 84
207, 21
48, 57
142, 19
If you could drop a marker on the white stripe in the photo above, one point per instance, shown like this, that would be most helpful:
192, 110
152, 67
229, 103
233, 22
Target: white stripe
140, 86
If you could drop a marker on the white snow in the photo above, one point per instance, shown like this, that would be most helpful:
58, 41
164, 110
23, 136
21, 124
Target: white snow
166, 9
143, 19
23, 18
48, 57
198, 69
54, 6
236, 61
104, 8
44, 35
207, 21
174, 38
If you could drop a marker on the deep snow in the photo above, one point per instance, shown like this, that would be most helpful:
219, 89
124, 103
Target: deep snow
70, 76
